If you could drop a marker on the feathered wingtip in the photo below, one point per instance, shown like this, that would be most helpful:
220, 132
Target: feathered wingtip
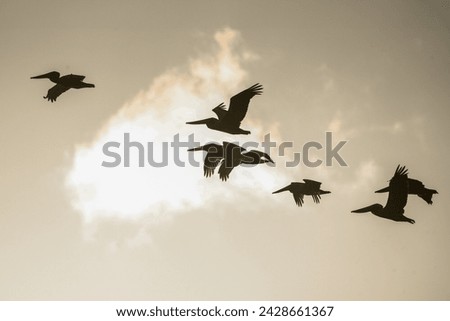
223, 177
298, 200
257, 89
49, 98
401, 171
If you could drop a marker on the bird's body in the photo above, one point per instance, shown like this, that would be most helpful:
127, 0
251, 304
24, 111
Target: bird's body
229, 155
229, 121
397, 199
63, 84
299, 190
416, 187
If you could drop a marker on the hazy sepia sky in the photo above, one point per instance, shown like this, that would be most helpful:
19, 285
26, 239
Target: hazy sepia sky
375, 74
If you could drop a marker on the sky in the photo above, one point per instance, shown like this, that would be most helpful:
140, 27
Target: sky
373, 74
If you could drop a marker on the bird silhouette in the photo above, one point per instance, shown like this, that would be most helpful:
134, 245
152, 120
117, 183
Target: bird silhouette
299, 190
63, 84
229, 121
416, 187
397, 199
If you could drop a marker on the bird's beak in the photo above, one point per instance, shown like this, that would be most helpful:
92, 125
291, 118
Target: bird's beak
197, 122
41, 76
195, 149
362, 210
281, 190
383, 190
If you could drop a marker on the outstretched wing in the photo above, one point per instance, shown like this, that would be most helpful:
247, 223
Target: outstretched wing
418, 188
55, 91
224, 171
398, 191
312, 185
298, 198
211, 162
239, 104
73, 77
220, 110
415, 186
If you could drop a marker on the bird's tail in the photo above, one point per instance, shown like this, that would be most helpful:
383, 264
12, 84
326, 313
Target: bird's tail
427, 195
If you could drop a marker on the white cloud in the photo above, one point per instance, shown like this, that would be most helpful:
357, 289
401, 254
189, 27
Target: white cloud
340, 128
367, 173
156, 115
392, 129
328, 82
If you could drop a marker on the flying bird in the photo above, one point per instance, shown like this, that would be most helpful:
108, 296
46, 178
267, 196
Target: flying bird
299, 190
235, 155
63, 84
229, 121
397, 199
416, 187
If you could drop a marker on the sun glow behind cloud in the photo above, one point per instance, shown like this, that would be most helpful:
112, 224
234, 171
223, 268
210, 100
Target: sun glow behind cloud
155, 116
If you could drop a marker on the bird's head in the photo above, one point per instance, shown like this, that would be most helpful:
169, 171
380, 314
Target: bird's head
259, 156
267, 158
53, 76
